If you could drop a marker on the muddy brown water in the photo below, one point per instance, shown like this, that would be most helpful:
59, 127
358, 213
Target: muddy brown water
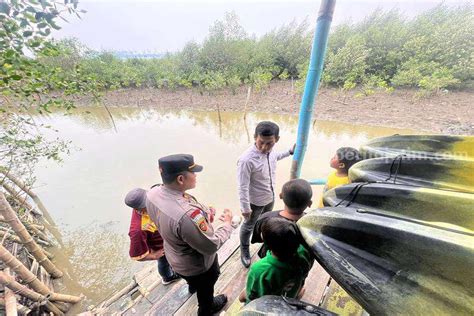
85, 193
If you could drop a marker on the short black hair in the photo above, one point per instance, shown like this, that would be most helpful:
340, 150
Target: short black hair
281, 236
170, 178
348, 156
267, 128
297, 194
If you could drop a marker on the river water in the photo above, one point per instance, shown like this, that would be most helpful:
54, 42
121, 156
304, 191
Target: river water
85, 193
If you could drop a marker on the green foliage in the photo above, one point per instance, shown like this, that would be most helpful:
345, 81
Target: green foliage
349, 63
28, 79
431, 52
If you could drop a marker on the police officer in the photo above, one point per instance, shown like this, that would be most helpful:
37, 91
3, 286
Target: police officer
191, 243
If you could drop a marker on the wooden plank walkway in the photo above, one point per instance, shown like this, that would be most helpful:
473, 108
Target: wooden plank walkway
148, 296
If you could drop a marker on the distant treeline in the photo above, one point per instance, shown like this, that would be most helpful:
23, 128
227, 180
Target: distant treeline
433, 51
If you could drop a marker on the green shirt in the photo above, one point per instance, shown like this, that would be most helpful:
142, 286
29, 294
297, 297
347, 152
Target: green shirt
270, 276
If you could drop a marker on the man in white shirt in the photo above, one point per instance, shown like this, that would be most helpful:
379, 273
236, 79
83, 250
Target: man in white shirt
256, 178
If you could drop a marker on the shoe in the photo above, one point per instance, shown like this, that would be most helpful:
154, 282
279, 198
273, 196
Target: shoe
191, 289
245, 256
218, 303
170, 280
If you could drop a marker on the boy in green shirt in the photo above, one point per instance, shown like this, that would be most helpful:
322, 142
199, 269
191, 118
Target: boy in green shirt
285, 267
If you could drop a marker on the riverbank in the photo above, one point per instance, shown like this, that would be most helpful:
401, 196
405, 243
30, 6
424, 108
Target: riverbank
448, 113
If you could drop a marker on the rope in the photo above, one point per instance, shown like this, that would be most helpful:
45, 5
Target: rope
354, 192
398, 159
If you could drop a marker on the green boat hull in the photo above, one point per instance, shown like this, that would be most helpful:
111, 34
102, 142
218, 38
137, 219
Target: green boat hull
443, 173
277, 305
393, 266
422, 146
438, 208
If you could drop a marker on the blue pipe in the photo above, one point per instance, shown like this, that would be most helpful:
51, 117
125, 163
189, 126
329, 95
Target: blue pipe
317, 181
318, 51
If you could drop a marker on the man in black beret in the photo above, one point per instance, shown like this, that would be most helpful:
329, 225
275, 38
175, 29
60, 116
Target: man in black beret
190, 240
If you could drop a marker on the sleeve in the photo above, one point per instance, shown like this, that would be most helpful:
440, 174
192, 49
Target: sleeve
257, 231
306, 259
138, 246
195, 231
256, 285
283, 154
243, 179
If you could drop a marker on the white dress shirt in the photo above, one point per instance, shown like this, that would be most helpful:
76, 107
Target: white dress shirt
256, 177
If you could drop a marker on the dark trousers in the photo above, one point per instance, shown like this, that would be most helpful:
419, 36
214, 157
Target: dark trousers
204, 285
164, 269
247, 226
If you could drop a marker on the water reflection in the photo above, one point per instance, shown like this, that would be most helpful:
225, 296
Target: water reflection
230, 127
90, 185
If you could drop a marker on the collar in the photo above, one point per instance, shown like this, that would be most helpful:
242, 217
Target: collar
257, 152
172, 192
289, 216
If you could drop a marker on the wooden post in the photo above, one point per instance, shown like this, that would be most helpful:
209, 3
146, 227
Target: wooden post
249, 91
54, 230
30, 244
10, 282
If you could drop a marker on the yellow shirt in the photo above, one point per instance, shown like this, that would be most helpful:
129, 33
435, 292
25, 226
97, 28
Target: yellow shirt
334, 181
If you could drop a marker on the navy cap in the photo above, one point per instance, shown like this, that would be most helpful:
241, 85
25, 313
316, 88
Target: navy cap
136, 199
174, 164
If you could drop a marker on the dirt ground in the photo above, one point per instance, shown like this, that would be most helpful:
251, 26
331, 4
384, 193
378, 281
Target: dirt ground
448, 113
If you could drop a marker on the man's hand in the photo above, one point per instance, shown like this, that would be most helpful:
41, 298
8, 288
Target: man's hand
246, 215
292, 150
212, 213
154, 255
227, 216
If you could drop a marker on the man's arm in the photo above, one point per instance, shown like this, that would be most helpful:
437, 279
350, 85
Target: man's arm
243, 178
195, 232
287, 153
257, 231
139, 250
153, 255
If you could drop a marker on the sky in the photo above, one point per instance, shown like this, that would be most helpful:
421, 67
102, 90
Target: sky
159, 26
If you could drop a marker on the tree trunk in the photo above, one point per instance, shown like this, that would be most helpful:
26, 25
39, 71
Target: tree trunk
28, 241
220, 120
249, 91
53, 228
10, 282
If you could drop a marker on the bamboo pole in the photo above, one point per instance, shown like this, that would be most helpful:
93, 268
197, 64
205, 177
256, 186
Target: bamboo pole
10, 236
28, 241
53, 228
31, 279
10, 299
10, 282
15, 238
118, 295
17, 196
22, 310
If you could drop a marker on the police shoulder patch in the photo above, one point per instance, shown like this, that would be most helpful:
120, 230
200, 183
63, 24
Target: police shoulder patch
198, 218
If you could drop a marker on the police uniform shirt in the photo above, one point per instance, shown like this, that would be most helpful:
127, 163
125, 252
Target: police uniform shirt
191, 242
